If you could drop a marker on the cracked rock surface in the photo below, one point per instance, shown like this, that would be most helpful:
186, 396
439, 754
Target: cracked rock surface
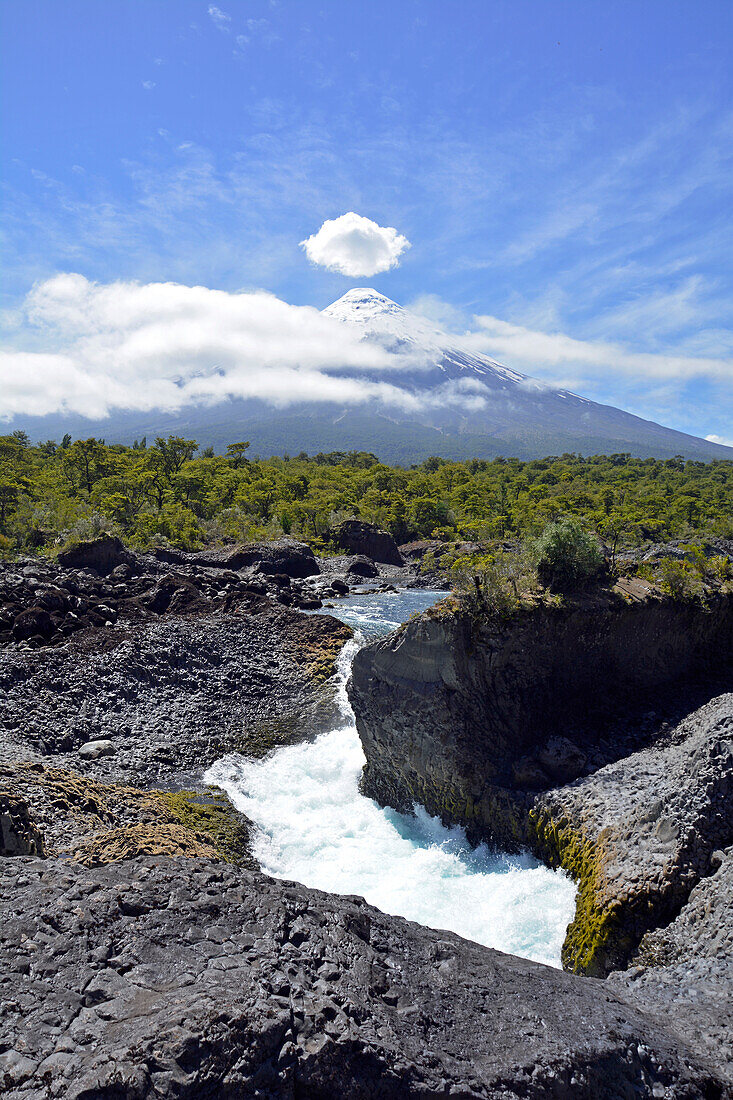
686, 968
649, 825
171, 695
190, 979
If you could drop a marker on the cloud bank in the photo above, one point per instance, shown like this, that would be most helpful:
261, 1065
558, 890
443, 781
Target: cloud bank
550, 355
163, 346
720, 439
355, 246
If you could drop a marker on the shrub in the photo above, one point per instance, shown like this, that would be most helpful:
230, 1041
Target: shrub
680, 580
566, 555
493, 584
720, 566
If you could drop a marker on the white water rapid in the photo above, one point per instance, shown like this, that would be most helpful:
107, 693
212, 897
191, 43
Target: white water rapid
316, 828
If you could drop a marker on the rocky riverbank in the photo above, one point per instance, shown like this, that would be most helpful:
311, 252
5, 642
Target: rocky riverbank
578, 731
472, 715
140, 667
142, 954
190, 979
144, 670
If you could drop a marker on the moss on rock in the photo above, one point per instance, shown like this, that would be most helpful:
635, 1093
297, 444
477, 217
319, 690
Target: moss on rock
95, 823
595, 923
213, 820
135, 841
318, 644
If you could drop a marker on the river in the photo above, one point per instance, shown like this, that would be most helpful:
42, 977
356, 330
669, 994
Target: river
315, 827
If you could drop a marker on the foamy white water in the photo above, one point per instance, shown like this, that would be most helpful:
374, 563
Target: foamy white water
316, 828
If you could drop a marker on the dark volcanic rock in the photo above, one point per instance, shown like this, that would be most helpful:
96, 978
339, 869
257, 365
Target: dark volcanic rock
454, 712
362, 566
31, 623
172, 694
51, 811
192, 980
294, 559
19, 835
686, 967
102, 555
639, 834
368, 539
43, 602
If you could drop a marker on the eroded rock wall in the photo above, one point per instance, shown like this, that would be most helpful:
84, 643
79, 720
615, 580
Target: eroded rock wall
472, 718
639, 834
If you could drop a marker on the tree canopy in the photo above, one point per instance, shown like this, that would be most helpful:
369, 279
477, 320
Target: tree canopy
169, 491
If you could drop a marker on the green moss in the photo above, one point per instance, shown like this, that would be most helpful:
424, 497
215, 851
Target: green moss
321, 662
212, 816
595, 923
319, 654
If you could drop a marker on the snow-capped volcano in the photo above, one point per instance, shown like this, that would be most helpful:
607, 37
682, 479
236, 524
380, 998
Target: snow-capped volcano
398, 330
434, 356
488, 406
382, 319
431, 395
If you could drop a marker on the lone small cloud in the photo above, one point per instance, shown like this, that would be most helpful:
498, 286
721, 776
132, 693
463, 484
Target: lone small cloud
355, 246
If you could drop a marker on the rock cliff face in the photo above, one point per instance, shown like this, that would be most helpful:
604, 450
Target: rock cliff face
471, 719
639, 834
504, 729
191, 979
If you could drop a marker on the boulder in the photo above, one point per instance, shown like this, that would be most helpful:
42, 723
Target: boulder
362, 566
174, 594
31, 623
294, 559
366, 538
92, 750
101, 555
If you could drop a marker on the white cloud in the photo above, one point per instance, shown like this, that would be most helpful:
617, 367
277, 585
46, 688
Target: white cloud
355, 246
720, 439
219, 18
164, 345
148, 84
550, 355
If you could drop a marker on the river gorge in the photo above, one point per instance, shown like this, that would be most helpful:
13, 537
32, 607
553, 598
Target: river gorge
199, 899
314, 826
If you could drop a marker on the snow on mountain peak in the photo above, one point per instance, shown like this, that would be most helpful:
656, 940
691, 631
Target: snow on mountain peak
399, 330
386, 322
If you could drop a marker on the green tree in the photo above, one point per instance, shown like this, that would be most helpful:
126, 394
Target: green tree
566, 554
236, 453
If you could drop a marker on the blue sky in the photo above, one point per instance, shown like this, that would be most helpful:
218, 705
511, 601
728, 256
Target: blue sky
563, 171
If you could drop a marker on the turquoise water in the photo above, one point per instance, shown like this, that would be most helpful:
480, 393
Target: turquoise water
316, 828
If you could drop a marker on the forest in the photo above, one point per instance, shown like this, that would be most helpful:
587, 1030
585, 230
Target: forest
172, 493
